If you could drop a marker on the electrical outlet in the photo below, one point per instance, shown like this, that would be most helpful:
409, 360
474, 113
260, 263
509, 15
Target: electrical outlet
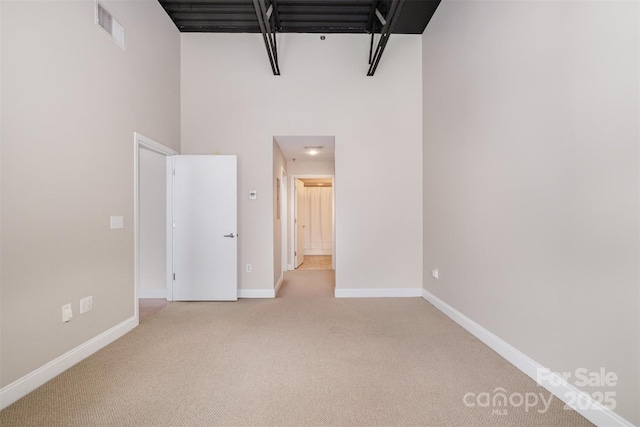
248, 268
86, 304
67, 313
435, 273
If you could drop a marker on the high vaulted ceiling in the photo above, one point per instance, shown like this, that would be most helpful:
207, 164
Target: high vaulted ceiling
298, 16
270, 17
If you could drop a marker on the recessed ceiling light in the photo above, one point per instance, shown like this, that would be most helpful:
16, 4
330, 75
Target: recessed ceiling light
313, 151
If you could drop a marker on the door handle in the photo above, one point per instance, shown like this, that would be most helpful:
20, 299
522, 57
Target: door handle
229, 235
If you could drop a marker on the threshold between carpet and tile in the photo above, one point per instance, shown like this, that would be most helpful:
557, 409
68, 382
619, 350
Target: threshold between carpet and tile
316, 262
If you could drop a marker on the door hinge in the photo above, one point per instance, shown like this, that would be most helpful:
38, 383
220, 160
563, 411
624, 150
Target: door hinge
174, 171
174, 276
295, 253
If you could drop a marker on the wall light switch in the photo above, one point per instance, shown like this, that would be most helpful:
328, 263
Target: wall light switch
435, 273
253, 194
67, 313
116, 222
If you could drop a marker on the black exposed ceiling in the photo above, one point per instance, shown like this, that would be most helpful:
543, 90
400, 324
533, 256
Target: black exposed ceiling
297, 16
269, 17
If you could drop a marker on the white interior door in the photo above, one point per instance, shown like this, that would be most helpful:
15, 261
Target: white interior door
205, 244
300, 223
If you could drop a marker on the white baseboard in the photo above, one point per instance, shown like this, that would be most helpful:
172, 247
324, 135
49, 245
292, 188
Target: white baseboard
279, 284
554, 383
152, 293
256, 293
377, 293
25, 385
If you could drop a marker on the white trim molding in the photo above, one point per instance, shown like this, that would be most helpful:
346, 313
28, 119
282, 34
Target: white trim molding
152, 145
25, 385
554, 383
142, 142
278, 284
378, 293
256, 293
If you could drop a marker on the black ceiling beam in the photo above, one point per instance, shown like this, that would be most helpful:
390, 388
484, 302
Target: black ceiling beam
371, 26
268, 36
203, 23
217, 29
275, 16
327, 27
372, 15
300, 16
391, 20
320, 3
341, 10
208, 8
321, 29
183, 16
323, 18
217, 2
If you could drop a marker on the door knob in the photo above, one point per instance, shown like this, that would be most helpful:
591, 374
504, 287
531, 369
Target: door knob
230, 235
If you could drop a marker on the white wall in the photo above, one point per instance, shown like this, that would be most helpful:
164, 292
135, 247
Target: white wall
153, 225
300, 167
531, 168
231, 103
71, 102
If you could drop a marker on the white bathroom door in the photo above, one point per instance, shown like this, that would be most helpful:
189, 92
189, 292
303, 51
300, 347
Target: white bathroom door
300, 219
205, 242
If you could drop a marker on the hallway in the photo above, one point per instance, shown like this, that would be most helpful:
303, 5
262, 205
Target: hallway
316, 262
308, 284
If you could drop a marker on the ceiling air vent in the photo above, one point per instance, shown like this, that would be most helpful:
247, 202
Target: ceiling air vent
107, 22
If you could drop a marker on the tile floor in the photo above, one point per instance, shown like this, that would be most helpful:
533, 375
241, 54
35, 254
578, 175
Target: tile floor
316, 262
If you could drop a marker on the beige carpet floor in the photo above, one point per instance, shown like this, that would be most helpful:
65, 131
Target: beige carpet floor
308, 284
290, 361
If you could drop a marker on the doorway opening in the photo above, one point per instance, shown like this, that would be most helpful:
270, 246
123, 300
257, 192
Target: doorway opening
152, 226
304, 214
313, 227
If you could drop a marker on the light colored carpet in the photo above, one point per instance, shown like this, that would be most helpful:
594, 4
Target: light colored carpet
308, 284
288, 362
147, 307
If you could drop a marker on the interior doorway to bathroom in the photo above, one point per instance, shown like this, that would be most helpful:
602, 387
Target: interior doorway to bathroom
313, 223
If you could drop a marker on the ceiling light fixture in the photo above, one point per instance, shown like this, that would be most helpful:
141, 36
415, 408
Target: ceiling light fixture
313, 151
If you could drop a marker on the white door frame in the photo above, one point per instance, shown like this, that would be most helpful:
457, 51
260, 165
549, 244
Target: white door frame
292, 212
142, 142
284, 219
